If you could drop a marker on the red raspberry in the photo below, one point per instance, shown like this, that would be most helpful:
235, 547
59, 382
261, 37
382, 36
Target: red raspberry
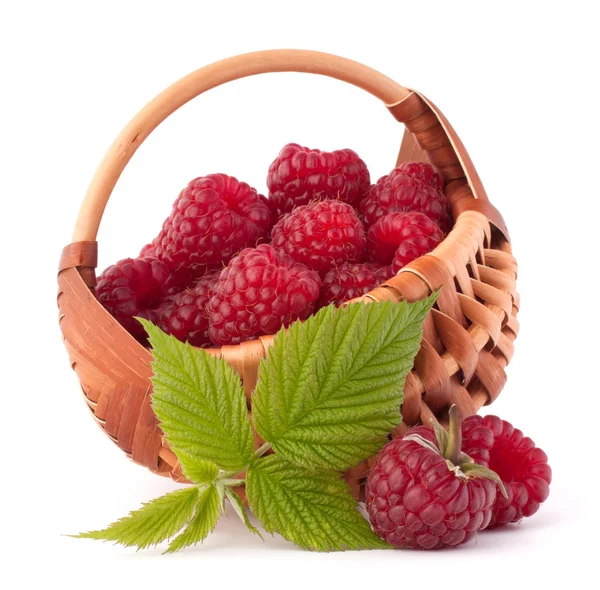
213, 218
321, 235
300, 175
382, 273
184, 315
424, 494
259, 292
401, 192
149, 250
347, 282
402, 237
424, 172
181, 278
130, 288
522, 466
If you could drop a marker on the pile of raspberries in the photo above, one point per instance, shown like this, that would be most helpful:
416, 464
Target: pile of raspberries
230, 265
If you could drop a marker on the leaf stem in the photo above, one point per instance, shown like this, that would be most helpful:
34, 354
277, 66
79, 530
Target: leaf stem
232, 481
262, 449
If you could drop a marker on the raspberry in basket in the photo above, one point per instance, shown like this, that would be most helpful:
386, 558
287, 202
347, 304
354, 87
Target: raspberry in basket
402, 192
184, 315
321, 235
259, 292
213, 218
423, 493
401, 238
130, 288
347, 282
522, 466
424, 172
300, 175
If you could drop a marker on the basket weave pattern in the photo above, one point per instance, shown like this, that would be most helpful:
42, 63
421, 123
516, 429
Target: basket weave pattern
468, 337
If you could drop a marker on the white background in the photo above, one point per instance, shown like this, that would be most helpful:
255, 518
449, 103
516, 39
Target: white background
519, 83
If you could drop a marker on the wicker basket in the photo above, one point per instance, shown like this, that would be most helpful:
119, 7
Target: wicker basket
468, 338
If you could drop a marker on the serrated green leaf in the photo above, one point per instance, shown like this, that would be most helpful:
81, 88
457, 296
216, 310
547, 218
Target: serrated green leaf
240, 510
206, 515
313, 509
156, 521
199, 402
330, 388
196, 469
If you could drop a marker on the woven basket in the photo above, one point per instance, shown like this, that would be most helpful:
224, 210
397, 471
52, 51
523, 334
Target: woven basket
468, 337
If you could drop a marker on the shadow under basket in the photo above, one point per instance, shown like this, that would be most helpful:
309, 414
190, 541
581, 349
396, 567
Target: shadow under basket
468, 336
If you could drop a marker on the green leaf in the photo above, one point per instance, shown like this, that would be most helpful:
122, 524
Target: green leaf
208, 510
156, 521
331, 387
313, 509
200, 403
196, 469
240, 510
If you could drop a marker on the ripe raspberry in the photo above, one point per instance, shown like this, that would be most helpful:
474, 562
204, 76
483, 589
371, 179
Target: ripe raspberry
321, 235
181, 278
424, 172
382, 273
400, 192
300, 175
213, 218
347, 282
149, 250
522, 466
184, 315
422, 493
259, 292
402, 237
131, 287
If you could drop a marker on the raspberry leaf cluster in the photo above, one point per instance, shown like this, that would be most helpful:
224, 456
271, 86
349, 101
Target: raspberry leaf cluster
330, 389
328, 394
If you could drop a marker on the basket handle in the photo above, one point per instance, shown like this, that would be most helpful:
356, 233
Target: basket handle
194, 84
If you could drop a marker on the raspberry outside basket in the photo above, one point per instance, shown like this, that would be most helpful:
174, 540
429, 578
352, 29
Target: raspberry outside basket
468, 337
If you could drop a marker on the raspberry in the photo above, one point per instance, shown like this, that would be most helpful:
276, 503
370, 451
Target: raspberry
424, 172
213, 218
402, 237
300, 175
259, 292
321, 235
131, 287
382, 273
184, 315
522, 466
347, 282
149, 250
417, 499
401, 192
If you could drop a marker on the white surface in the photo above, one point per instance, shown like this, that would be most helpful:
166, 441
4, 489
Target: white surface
519, 83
